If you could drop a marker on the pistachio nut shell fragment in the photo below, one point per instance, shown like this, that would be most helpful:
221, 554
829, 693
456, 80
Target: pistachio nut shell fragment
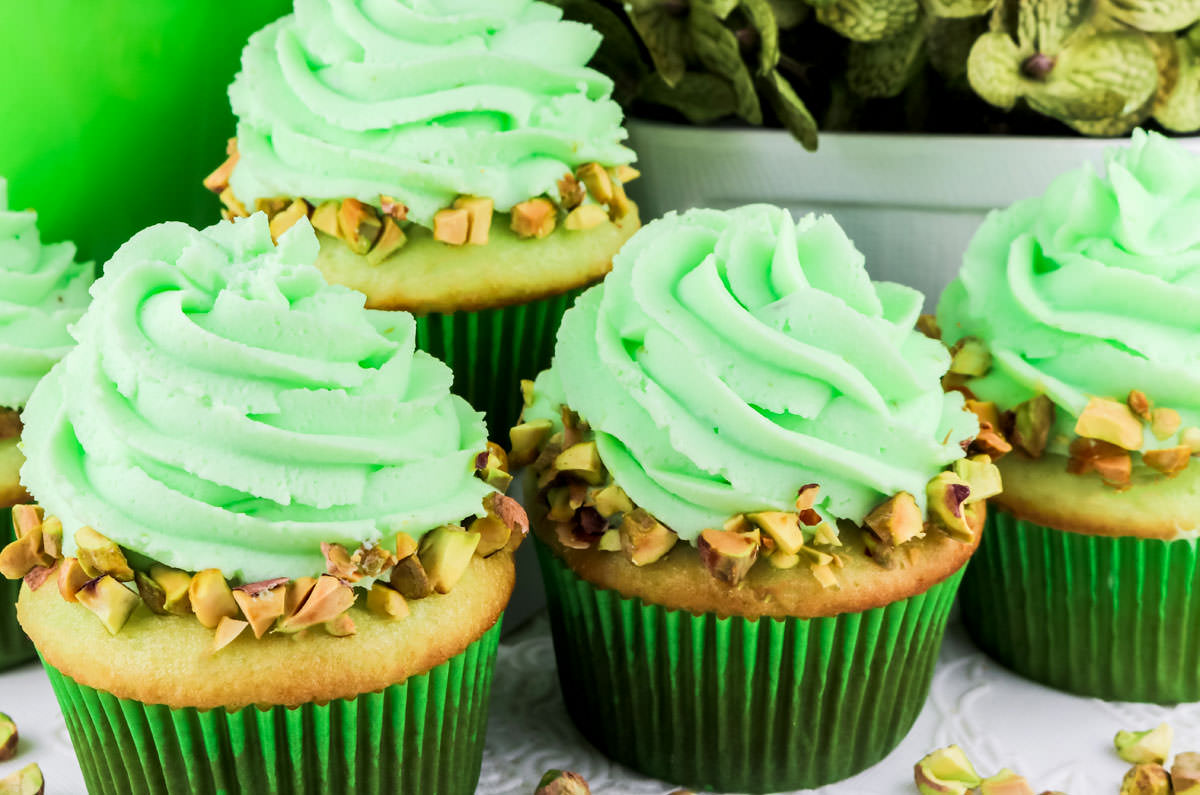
896, 520
728, 556
1110, 421
1185, 773
71, 577
946, 771
1152, 745
327, 600
562, 782
111, 601
26, 781
410, 579
211, 598
1147, 778
644, 539
100, 555
445, 554
1006, 782
8, 738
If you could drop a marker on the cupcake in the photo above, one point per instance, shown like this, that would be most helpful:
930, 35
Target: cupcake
279, 565
42, 291
459, 161
1076, 335
751, 501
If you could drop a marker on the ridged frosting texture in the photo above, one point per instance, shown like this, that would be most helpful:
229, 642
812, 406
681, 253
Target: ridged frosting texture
43, 290
227, 408
1092, 289
422, 100
732, 357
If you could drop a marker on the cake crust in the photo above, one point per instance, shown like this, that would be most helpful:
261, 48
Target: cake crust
428, 276
679, 581
168, 660
1154, 506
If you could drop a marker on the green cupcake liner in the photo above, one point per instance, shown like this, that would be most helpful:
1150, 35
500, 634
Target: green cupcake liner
492, 350
1115, 618
736, 704
420, 737
15, 648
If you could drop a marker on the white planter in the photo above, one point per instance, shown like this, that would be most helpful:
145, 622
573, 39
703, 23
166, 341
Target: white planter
910, 202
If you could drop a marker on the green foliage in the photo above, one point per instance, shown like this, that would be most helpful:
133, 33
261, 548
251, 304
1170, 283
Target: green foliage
1099, 67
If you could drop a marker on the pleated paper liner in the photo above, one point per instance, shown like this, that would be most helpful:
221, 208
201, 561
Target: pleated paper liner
1115, 618
421, 737
738, 705
15, 648
492, 350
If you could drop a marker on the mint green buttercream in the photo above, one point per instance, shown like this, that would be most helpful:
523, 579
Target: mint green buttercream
1092, 289
43, 290
421, 100
227, 408
732, 357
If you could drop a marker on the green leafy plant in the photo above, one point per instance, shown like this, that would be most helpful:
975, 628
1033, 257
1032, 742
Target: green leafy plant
1100, 67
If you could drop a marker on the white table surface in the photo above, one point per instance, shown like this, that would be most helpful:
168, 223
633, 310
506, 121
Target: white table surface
1056, 740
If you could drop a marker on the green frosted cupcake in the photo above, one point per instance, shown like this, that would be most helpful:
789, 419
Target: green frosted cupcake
460, 161
264, 558
42, 291
1076, 332
748, 531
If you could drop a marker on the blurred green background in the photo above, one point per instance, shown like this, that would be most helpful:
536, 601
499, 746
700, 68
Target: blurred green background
113, 111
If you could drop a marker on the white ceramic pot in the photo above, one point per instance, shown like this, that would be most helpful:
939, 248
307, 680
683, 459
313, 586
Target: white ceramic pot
910, 202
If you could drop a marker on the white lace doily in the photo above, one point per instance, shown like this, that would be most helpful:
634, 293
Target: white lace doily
1056, 740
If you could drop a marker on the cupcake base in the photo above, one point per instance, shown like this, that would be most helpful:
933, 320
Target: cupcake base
424, 735
1110, 617
738, 704
15, 648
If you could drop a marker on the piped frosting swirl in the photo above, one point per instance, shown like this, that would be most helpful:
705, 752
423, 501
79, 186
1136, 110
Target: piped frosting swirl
732, 357
226, 408
420, 101
1090, 290
43, 290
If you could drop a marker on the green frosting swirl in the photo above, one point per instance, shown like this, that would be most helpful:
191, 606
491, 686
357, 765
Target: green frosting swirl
43, 290
227, 408
1092, 289
732, 357
423, 101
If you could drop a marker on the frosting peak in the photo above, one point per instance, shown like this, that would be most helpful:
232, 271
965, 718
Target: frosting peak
421, 101
1090, 289
43, 290
732, 357
226, 408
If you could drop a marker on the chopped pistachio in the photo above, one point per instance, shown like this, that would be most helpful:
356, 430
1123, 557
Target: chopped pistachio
1146, 779
728, 556
644, 539
1110, 421
358, 225
970, 356
385, 601
534, 218
8, 738
1152, 745
111, 601
211, 597
597, 181
451, 226
391, 240
782, 527
946, 771
325, 218
1164, 423
227, 631
100, 555
1170, 461
479, 214
1032, 421
897, 520
584, 217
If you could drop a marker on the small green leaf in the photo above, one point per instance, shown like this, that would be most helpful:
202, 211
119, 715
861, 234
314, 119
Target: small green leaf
994, 69
762, 19
699, 96
1179, 110
1108, 128
948, 43
884, 68
717, 48
790, 13
1155, 16
1045, 25
957, 9
791, 110
718, 8
665, 37
1099, 77
868, 20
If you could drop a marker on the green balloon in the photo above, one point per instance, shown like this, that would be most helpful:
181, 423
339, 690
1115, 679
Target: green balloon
113, 111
